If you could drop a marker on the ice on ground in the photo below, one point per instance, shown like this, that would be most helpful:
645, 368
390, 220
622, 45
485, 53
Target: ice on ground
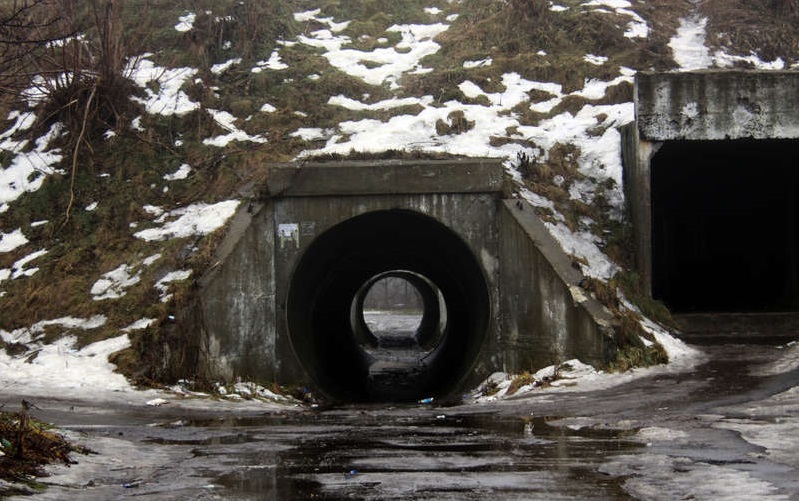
197, 219
659, 434
652, 476
688, 45
13, 240
787, 362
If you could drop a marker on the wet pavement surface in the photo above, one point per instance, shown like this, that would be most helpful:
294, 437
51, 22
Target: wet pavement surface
726, 429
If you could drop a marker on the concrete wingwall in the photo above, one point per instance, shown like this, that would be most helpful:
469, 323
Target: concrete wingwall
235, 311
539, 315
545, 316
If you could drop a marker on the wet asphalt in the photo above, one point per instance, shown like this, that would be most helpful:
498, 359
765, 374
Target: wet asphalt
725, 429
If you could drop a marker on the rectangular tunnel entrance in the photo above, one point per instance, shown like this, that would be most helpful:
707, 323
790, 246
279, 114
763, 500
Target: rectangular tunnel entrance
725, 235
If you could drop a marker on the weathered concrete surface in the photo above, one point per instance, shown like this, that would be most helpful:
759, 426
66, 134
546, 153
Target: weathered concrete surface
546, 317
717, 104
713, 105
461, 196
532, 312
636, 156
234, 317
385, 177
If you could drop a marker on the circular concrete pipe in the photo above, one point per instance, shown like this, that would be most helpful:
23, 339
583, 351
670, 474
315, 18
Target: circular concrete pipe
432, 323
337, 269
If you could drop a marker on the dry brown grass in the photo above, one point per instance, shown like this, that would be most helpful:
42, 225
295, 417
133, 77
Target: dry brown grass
766, 27
28, 445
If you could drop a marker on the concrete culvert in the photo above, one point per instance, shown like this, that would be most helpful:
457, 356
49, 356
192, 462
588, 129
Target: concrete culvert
725, 236
328, 289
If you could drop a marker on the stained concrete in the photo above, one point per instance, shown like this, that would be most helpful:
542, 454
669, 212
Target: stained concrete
731, 122
716, 105
546, 316
276, 304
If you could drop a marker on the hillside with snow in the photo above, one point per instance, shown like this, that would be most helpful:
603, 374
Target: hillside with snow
106, 218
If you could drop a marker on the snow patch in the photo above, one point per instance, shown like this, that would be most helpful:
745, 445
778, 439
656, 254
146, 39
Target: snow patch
140, 324
28, 169
197, 219
220, 68
226, 121
18, 269
182, 173
273, 63
163, 284
169, 99
13, 240
186, 22
688, 45
384, 64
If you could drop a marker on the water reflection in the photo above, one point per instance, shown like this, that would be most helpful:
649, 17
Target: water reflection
368, 454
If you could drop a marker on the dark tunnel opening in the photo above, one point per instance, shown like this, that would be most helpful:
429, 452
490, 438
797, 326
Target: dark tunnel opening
326, 296
724, 226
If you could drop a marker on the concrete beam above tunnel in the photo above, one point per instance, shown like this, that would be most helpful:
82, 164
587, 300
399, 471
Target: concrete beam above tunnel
711, 169
345, 178
717, 105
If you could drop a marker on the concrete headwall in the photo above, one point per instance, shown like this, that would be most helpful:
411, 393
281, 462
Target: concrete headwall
536, 312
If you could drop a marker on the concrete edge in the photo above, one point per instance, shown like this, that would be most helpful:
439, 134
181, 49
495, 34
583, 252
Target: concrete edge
385, 177
233, 232
525, 216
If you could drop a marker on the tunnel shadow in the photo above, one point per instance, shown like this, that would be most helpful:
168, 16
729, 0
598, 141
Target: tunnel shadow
330, 278
724, 226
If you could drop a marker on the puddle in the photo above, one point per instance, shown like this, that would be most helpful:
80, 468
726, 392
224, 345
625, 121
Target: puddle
375, 455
